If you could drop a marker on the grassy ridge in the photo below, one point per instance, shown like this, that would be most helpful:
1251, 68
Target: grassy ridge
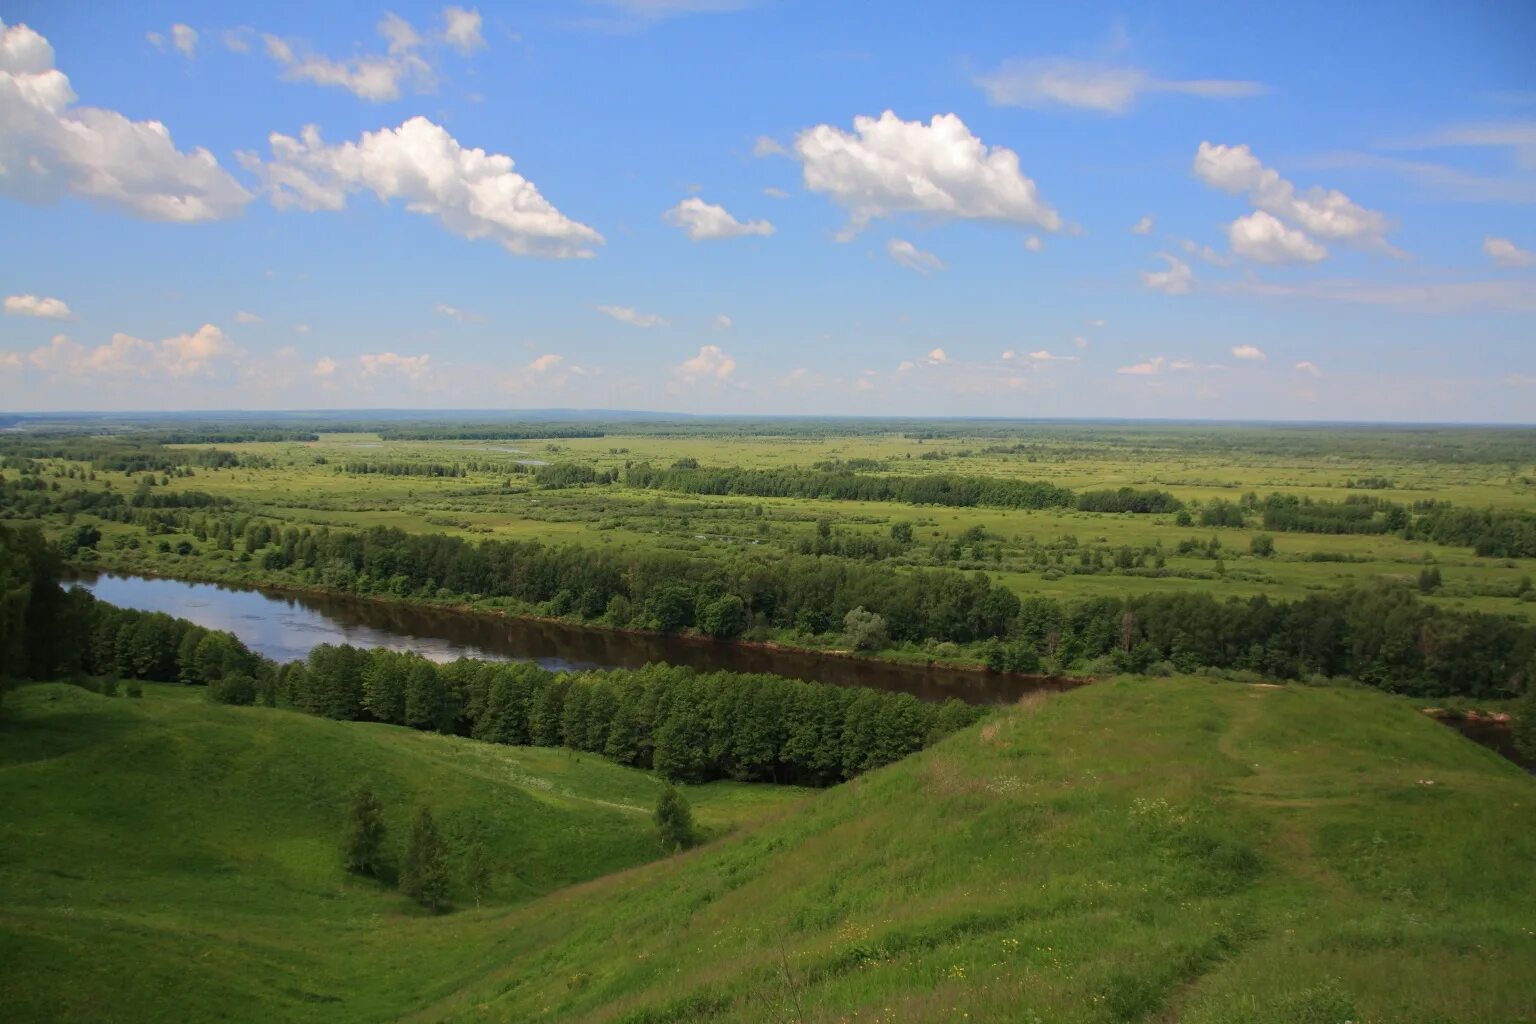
1127, 852
165, 845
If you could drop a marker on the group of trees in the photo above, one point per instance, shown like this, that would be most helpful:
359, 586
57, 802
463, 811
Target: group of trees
685, 725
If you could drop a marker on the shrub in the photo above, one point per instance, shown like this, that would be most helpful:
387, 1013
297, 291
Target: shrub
865, 631
134, 689
674, 821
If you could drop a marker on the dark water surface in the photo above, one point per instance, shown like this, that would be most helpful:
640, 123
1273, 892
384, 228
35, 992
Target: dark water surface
285, 626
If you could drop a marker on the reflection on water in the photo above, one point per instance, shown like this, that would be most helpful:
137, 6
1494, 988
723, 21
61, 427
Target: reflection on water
286, 626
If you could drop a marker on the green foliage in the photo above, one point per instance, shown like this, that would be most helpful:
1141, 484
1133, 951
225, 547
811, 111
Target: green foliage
1523, 719
674, 821
864, 630
424, 864
362, 843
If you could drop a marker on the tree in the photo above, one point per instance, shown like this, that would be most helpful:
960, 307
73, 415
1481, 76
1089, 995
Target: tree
423, 873
674, 821
723, 618
477, 869
362, 844
864, 629
1262, 545
1524, 724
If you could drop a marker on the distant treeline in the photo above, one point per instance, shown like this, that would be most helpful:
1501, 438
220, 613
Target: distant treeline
841, 483
1383, 634
234, 435
487, 432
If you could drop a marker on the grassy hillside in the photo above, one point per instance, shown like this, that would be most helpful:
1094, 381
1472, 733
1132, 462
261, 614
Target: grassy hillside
168, 859
1134, 851
1174, 850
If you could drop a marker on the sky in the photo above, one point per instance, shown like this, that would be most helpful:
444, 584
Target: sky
1300, 211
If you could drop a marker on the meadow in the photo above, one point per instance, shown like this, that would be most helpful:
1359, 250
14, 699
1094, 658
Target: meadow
1318, 855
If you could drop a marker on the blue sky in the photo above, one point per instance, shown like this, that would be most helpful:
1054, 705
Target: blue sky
1305, 211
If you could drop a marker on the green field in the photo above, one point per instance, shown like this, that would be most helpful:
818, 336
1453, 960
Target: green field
303, 483
1132, 851
169, 845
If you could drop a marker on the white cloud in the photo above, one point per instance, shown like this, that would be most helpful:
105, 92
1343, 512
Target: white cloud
377, 77
775, 193
1096, 323
325, 366
10, 360
545, 363
301, 328
911, 257
633, 317
1044, 356
184, 38
1009, 354
1176, 280
38, 306
1143, 226
192, 354
1327, 213
461, 29
381, 363
1308, 367
182, 355
474, 194
937, 356
1250, 352
710, 364
1080, 342
1264, 239
888, 166
706, 221
722, 322
1501, 250
1033, 243
462, 316
1427, 297
243, 317
655, 10
1109, 89
1149, 368
50, 148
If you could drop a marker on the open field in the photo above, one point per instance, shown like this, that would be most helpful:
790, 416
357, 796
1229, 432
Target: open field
1318, 855
304, 483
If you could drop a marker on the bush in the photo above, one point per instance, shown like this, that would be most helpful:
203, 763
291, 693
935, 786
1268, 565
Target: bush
109, 686
674, 821
237, 688
134, 689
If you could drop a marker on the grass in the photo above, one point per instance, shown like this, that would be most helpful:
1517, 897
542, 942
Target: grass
1131, 851
167, 845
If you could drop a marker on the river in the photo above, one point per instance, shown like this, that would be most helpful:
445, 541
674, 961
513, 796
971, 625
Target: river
284, 626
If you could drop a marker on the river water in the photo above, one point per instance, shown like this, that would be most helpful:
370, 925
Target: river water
285, 626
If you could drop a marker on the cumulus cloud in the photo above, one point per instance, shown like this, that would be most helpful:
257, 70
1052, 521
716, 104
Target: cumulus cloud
244, 317
711, 364
1045, 356
1143, 226
886, 167
51, 148
1501, 250
1309, 368
546, 362
383, 363
1175, 280
325, 366
1250, 352
38, 306
182, 355
1033, 243
768, 146
633, 317
1080, 342
472, 193
407, 62
1089, 85
184, 38
1264, 239
706, 222
911, 257
722, 322
1155, 366
1327, 213
775, 193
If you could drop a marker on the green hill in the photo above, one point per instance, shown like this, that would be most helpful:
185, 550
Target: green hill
170, 859
1173, 850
